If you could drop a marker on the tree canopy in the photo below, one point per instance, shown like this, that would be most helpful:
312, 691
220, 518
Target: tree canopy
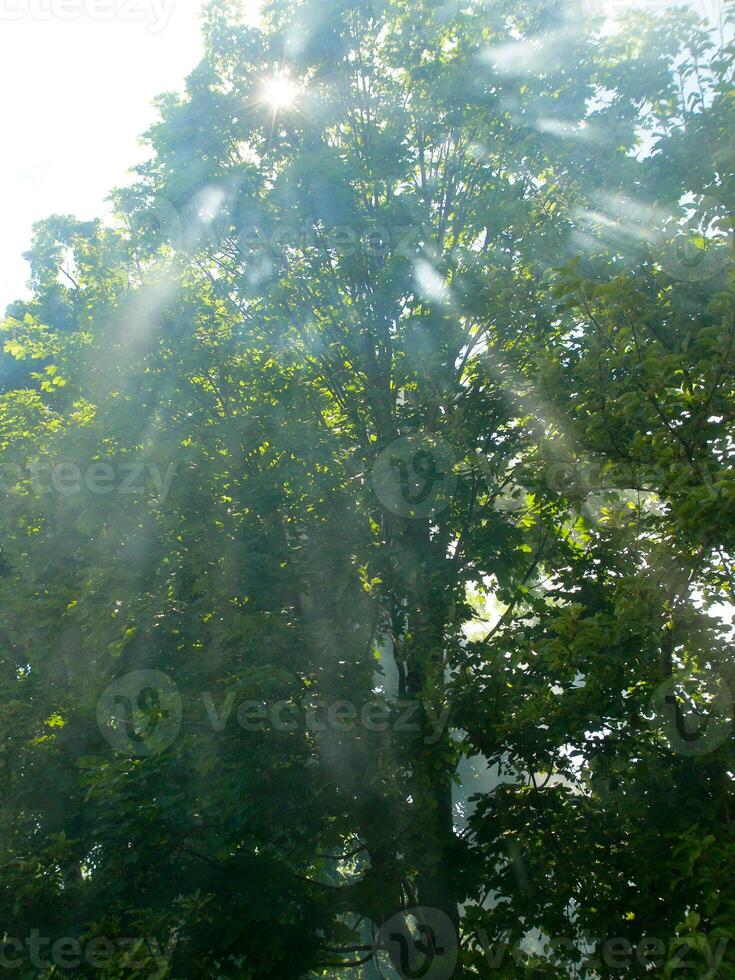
369, 512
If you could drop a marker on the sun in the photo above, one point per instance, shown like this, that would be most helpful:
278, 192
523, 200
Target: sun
279, 92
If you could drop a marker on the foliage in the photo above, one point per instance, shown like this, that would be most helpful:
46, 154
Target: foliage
491, 229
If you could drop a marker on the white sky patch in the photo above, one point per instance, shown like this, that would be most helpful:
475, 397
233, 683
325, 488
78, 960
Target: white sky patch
78, 94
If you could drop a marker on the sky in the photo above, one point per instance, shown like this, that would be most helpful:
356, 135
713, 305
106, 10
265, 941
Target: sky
77, 94
78, 79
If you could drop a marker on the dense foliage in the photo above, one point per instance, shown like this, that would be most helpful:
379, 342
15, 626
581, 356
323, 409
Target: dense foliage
369, 509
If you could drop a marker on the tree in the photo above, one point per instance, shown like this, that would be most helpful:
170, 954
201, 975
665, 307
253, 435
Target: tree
416, 331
